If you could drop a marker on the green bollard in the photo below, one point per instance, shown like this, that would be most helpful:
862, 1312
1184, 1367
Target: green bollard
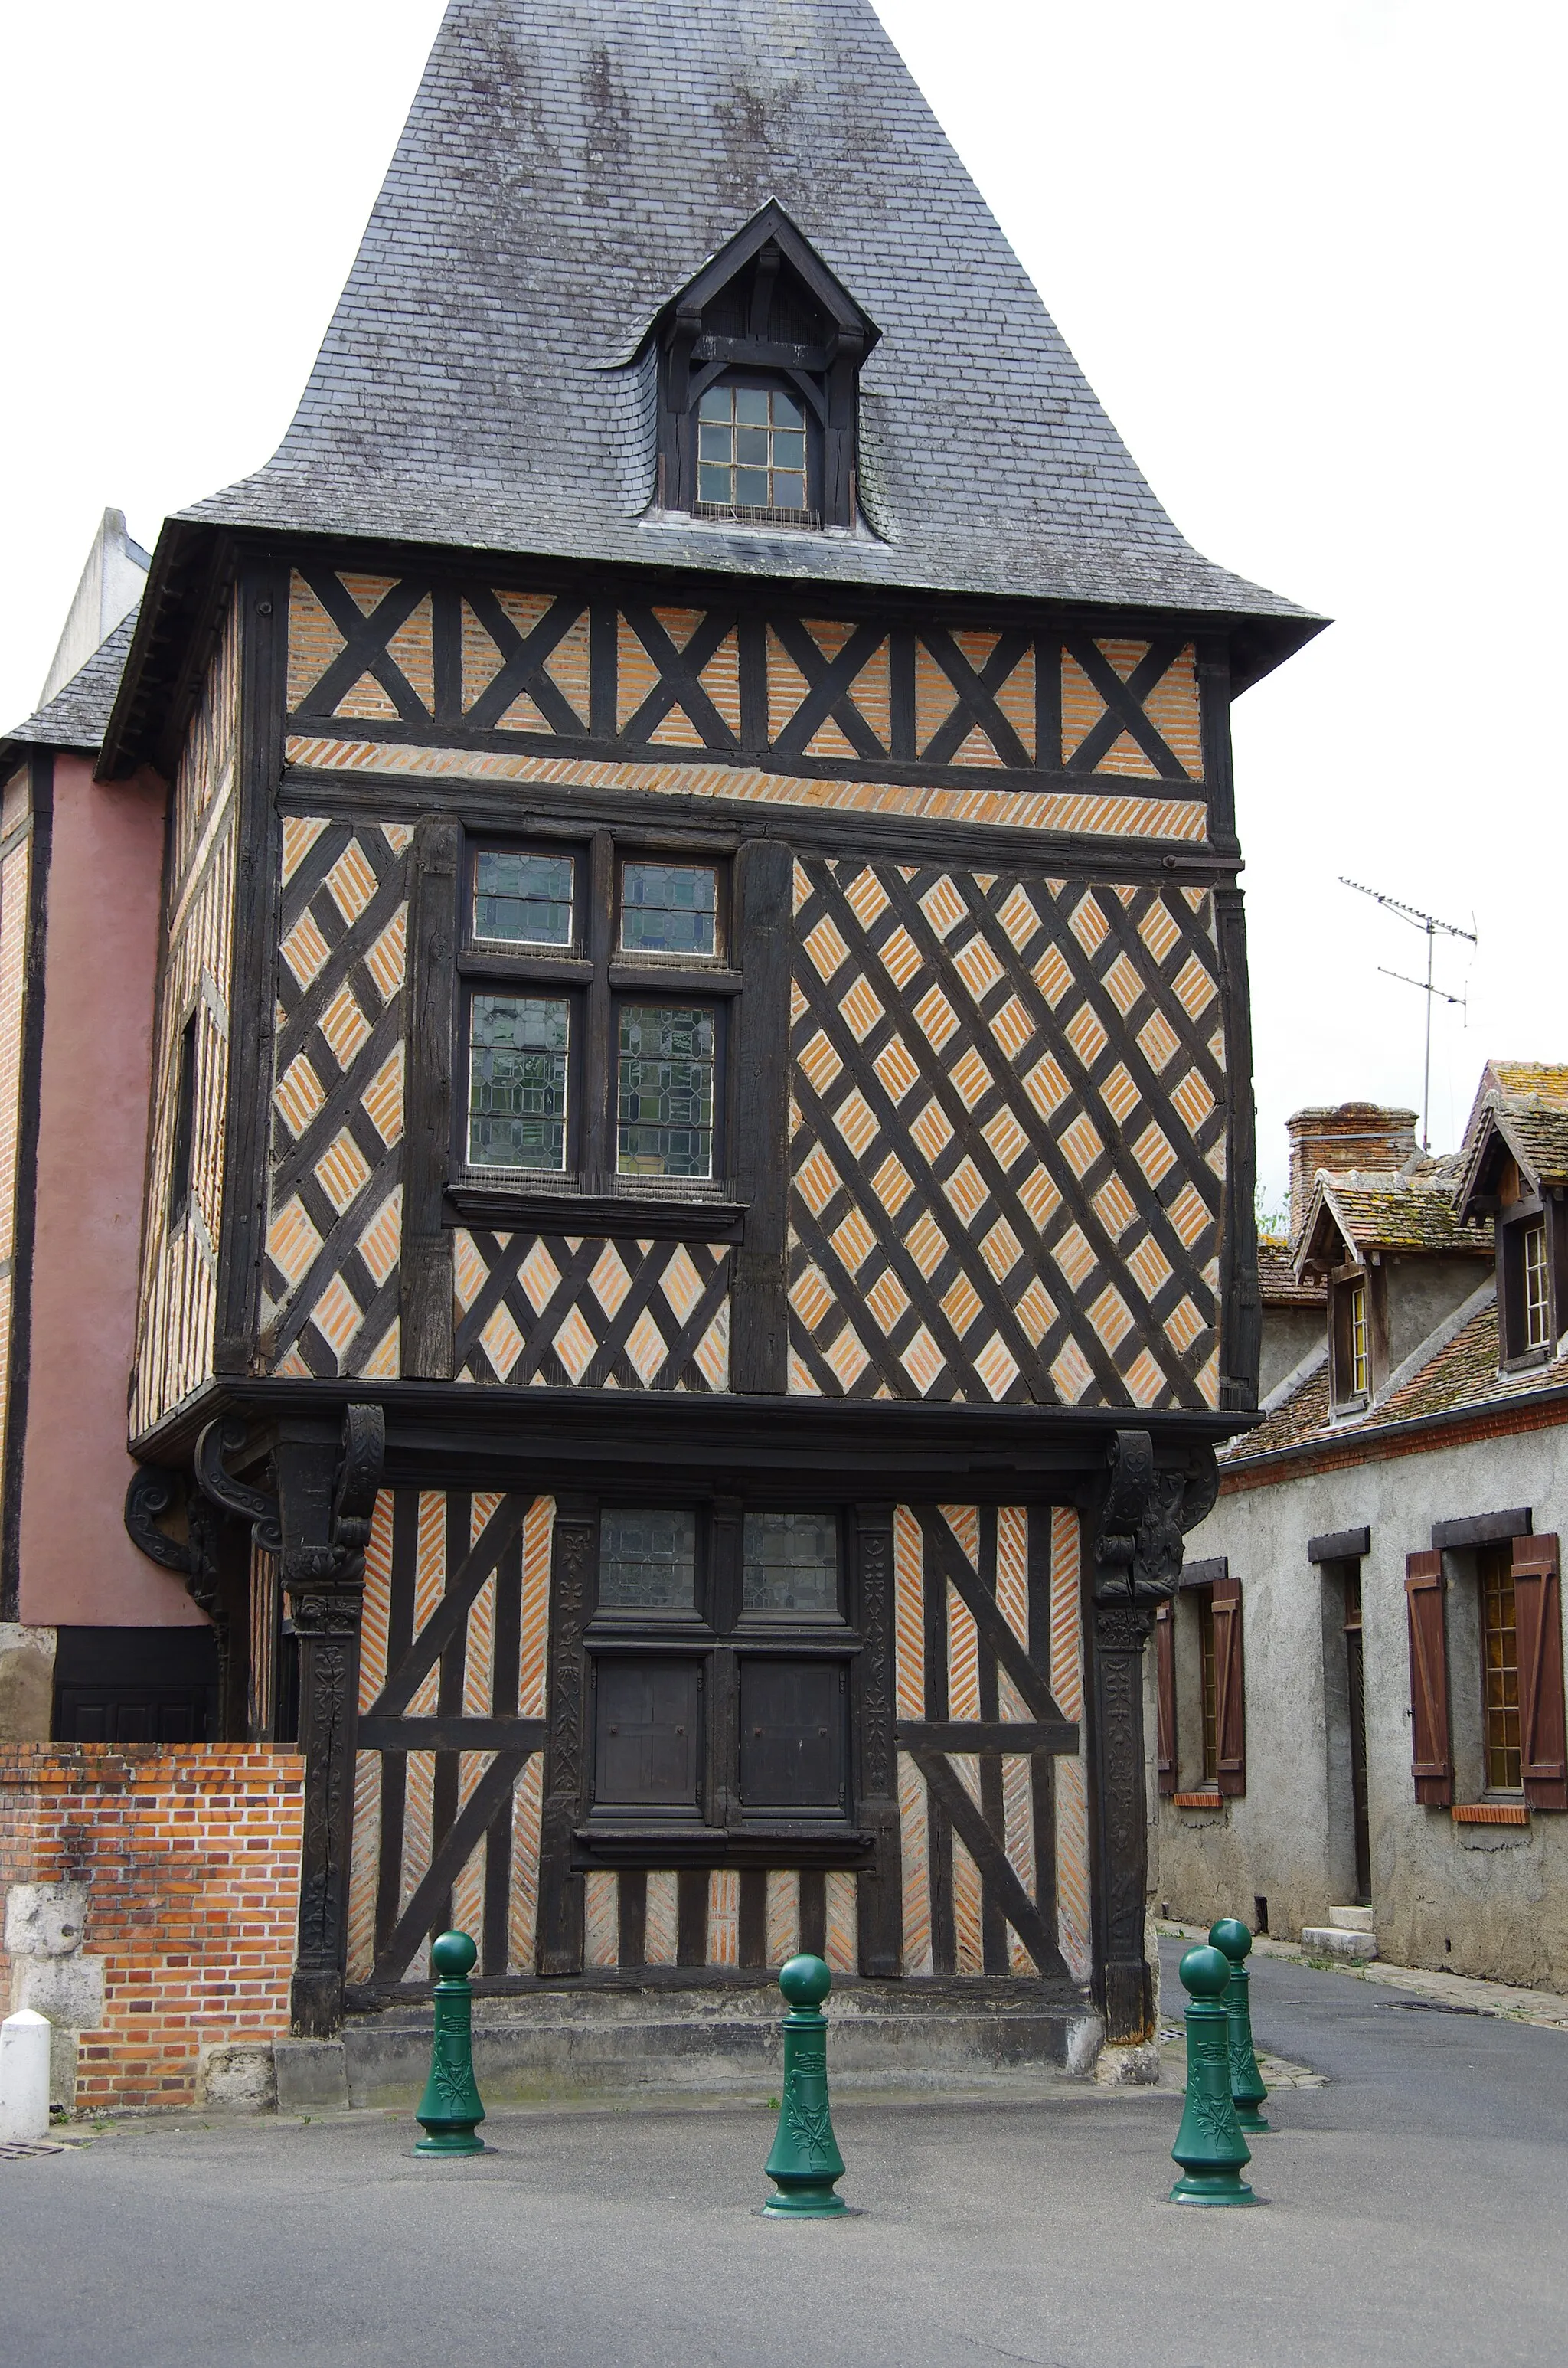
1210, 2146
805, 2160
450, 2110
1248, 2094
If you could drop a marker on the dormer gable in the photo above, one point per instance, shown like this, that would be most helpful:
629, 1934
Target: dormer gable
1516, 1173
759, 359
1397, 1261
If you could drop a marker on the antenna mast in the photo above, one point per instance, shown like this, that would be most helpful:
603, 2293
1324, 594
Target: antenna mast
1429, 925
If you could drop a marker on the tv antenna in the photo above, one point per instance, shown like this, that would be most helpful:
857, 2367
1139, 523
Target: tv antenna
1429, 925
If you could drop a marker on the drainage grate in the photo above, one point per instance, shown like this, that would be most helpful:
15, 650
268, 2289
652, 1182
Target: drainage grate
1433, 2006
13, 2149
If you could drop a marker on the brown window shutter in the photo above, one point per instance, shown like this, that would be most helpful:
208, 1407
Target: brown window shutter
1230, 1708
1538, 1616
1431, 1763
1165, 1685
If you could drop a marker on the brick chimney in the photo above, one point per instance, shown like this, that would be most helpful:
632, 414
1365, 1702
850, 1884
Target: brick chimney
1356, 1134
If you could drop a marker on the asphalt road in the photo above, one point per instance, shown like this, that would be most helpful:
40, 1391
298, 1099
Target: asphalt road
1416, 2214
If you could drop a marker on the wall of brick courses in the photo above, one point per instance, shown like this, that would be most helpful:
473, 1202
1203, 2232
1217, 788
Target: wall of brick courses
192, 1856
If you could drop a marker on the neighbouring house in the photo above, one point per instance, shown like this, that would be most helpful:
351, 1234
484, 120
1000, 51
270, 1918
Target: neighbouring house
680, 995
1361, 1677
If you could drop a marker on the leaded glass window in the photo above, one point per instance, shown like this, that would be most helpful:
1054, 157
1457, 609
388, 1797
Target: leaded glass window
522, 900
669, 908
751, 449
665, 1091
647, 1561
517, 1050
792, 1562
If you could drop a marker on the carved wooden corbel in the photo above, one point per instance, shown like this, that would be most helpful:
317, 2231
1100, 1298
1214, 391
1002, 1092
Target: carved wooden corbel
219, 1486
155, 1490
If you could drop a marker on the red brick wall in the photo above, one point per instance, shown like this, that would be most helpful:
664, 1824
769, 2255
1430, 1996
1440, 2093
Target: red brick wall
192, 1855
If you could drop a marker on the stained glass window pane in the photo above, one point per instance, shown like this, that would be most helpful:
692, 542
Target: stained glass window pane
518, 1047
648, 1561
522, 899
668, 908
664, 1092
792, 1562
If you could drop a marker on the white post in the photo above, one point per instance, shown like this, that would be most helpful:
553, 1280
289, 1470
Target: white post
24, 2075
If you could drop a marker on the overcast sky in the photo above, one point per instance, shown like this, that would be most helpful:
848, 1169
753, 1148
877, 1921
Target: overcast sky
1310, 257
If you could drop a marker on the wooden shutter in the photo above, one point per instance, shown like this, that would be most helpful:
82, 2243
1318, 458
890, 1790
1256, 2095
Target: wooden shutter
1431, 1762
1230, 1707
1538, 1615
1164, 1696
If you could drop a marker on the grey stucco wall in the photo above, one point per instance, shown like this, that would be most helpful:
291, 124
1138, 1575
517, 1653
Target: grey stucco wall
1485, 1901
1288, 1334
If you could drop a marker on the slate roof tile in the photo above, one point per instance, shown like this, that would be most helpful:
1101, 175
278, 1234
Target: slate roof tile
566, 168
77, 716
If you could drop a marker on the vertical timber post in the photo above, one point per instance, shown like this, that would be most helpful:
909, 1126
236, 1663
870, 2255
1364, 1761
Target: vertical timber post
561, 1903
1121, 1829
1141, 1516
879, 1887
326, 1492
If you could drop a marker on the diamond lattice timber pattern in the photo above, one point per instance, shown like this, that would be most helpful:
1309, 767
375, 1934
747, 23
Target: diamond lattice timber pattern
333, 1246
1008, 1139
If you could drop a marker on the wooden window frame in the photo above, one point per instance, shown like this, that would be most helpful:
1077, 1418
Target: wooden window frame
1350, 1359
1494, 1572
1528, 1217
723, 1639
182, 1149
595, 977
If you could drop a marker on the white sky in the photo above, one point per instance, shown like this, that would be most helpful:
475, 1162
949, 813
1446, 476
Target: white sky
1310, 257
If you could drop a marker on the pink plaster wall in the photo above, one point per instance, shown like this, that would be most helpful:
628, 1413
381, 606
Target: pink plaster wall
78, 1568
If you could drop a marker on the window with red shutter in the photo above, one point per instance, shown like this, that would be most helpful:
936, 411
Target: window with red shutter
1431, 1757
1537, 1617
1166, 1699
1230, 1708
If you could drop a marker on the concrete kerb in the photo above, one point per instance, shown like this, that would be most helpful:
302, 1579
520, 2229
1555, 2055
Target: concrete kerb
1546, 2009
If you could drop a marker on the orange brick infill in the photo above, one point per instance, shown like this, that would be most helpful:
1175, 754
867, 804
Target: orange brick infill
191, 1853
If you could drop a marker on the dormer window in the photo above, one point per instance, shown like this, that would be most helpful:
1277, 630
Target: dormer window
751, 453
759, 363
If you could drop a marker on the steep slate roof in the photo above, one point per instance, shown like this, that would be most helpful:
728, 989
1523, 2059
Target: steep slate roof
77, 716
567, 167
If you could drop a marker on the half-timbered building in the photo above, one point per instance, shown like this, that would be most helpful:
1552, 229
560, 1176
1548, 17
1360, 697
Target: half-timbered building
698, 1236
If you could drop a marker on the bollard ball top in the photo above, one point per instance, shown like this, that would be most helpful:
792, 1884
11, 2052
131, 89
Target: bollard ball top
805, 1981
454, 1953
1204, 1973
1230, 1937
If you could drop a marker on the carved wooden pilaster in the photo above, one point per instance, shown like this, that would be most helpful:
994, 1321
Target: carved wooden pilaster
1143, 1510
879, 1887
560, 1943
1121, 1835
319, 1524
